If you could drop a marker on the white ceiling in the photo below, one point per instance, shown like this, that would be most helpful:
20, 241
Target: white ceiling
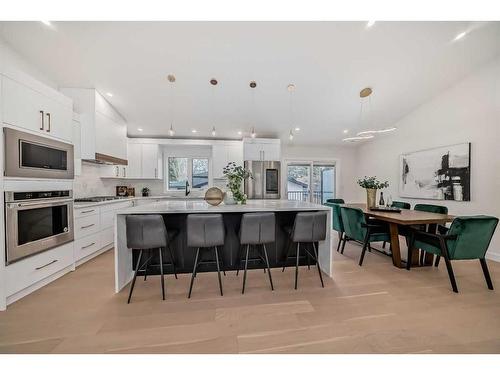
406, 63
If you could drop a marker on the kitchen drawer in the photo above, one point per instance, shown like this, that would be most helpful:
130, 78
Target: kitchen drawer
107, 237
26, 272
116, 206
85, 211
87, 246
86, 225
107, 219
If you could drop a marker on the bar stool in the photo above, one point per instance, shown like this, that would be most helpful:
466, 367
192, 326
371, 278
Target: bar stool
205, 231
308, 228
145, 233
256, 230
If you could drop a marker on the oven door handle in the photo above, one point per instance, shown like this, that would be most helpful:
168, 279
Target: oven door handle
39, 203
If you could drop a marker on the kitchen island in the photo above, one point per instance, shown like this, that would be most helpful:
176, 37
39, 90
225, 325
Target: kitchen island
175, 214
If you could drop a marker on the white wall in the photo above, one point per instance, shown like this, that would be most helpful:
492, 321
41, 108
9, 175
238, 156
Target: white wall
344, 156
469, 111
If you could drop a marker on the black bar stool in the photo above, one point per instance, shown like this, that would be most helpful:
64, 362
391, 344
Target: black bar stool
256, 229
205, 231
308, 228
146, 233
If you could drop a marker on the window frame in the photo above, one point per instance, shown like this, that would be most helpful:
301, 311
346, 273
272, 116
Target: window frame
189, 172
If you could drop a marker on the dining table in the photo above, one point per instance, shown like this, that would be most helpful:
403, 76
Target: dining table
405, 217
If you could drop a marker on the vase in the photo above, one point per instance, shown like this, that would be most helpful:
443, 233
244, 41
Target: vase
371, 198
229, 198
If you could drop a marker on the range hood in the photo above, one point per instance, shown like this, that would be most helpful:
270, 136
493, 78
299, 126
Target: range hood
106, 159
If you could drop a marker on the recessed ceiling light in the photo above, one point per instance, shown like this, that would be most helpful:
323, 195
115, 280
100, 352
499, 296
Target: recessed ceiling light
460, 36
109, 94
239, 132
360, 138
194, 131
46, 23
346, 131
297, 129
291, 87
370, 24
140, 129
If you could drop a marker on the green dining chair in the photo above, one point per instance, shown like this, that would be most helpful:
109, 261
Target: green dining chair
357, 228
336, 219
467, 238
400, 204
335, 200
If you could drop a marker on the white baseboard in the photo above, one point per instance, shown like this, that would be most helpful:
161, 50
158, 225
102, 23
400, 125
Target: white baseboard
493, 256
93, 255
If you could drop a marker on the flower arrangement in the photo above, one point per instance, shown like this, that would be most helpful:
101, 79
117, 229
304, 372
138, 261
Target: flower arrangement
145, 191
236, 174
372, 183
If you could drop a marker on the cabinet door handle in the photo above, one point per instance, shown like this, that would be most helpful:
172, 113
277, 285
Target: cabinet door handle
92, 244
124, 172
87, 226
48, 118
86, 212
156, 172
42, 120
45, 265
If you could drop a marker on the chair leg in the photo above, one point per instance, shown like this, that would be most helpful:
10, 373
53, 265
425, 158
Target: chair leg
343, 244
297, 265
366, 244
451, 274
383, 245
193, 275
287, 254
268, 268
245, 272
341, 234
486, 273
317, 264
161, 273
436, 262
369, 247
172, 259
135, 276
218, 270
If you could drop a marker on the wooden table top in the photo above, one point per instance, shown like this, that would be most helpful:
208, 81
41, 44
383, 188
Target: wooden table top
405, 217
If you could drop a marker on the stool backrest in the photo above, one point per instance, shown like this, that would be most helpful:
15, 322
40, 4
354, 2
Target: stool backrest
205, 230
257, 228
309, 227
431, 208
145, 231
399, 204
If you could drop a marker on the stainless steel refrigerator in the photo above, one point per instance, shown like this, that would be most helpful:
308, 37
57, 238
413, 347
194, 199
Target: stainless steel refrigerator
266, 179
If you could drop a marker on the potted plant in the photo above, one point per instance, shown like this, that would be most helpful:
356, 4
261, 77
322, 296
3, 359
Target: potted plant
235, 174
145, 192
371, 184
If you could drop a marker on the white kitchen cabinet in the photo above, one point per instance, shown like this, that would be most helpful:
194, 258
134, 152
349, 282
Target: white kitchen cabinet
224, 152
104, 131
134, 157
77, 143
29, 104
152, 161
262, 149
145, 161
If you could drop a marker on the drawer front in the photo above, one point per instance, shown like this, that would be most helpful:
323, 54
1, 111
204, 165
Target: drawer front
107, 219
27, 272
86, 225
107, 237
87, 246
85, 211
116, 206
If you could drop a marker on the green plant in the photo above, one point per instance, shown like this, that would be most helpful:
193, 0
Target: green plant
145, 191
372, 183
236, 174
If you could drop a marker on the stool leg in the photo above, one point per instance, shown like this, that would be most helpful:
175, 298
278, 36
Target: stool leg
146, 269
193, 275
238, 260
297, 265
172, 259
223, 265
308, 260
161, 273
287, 253
135, 276
245, 272
218, 270
317, 264
268, 268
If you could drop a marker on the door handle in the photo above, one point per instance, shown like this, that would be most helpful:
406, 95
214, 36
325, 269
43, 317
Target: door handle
117, 171
124, 172
86, 212
156, 172
45, 265
42, 118
48, 118
87, 226
84, 247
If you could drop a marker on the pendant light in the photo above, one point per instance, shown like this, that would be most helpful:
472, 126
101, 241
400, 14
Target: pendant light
253, 85
291, 89
214, 83
171, 79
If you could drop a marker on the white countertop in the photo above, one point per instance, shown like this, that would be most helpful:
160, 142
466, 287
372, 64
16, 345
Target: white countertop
200, 206
127, 199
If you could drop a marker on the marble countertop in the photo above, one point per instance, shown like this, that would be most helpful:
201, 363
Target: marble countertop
127, 199
200, 206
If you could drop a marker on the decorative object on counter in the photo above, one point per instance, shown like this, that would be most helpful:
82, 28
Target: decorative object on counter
236, 175
371, 184
131, 192
381, 200
214, 196
121, 191
440, 173
145, 191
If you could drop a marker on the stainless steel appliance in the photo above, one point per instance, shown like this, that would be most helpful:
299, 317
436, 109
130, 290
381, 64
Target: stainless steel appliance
102, 198
29, 155
37, 221
266, 179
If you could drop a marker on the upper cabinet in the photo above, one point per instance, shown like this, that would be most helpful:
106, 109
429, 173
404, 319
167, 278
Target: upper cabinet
104, 131
77, 144
224, 152
29, 104
261, 149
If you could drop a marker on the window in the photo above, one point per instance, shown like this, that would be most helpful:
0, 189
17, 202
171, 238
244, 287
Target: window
310, 181
192, 170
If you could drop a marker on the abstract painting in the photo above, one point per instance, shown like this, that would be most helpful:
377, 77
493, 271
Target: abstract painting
440, 173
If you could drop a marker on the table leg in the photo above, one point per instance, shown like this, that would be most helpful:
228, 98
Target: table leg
396, 252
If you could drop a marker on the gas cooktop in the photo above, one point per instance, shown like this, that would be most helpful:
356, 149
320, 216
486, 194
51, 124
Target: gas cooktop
99, 199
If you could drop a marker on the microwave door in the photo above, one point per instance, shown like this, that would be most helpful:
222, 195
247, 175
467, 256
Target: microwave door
271, 184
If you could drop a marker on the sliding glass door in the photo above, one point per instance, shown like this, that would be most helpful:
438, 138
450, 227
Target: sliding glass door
310, 181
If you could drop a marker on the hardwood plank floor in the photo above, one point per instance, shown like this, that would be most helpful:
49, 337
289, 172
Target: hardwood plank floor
376, 308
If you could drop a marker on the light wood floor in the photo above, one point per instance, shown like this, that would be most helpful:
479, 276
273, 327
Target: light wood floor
371, 309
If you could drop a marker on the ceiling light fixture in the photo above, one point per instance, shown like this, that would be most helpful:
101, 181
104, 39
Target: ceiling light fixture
345, 131
370, 24
171, 131
140, 129
194, 131
109, 94
253, 85
377, 131
253, 134
360, 138
213, 132
460, 36
297, 129
239, 132
171, 78
290, 136
46, 23
291, 89
214, 83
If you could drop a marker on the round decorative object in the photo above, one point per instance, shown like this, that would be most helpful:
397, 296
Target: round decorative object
367, 91
253, 84
214, 196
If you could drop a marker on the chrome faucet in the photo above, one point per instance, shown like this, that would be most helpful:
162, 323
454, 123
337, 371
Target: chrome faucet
187, 189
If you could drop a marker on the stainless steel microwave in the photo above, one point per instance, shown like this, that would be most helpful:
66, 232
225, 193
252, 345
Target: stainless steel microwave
30, 155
